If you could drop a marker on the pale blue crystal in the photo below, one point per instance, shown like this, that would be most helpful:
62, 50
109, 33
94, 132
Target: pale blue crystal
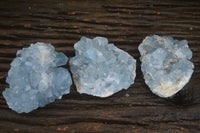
100, 68
166, 64
35, 78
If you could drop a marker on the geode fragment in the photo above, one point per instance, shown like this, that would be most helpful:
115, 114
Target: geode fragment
166, 64
36, 79
100, 68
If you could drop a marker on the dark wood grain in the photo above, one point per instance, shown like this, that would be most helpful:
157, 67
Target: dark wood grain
125, 23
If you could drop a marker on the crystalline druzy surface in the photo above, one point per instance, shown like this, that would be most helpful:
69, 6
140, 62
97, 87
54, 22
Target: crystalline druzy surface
166, 64
100, 68
35, 78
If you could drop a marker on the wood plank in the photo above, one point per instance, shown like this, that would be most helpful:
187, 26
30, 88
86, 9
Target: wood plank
125, 23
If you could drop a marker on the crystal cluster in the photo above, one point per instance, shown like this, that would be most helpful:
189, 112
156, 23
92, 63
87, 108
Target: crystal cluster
36, 79
166, 64
100, 68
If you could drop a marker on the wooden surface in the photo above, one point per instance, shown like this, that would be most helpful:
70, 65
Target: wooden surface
123, 22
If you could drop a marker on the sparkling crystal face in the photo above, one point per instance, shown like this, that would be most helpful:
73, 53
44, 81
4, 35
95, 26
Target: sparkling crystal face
100, 68
35, 78
166, 64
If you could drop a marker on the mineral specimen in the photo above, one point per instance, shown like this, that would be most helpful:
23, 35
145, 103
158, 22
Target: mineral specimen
166, 64
100, 68
35, 78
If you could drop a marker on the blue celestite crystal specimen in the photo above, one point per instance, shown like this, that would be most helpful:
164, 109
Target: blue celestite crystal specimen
166, 64
100, 68
36, 79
